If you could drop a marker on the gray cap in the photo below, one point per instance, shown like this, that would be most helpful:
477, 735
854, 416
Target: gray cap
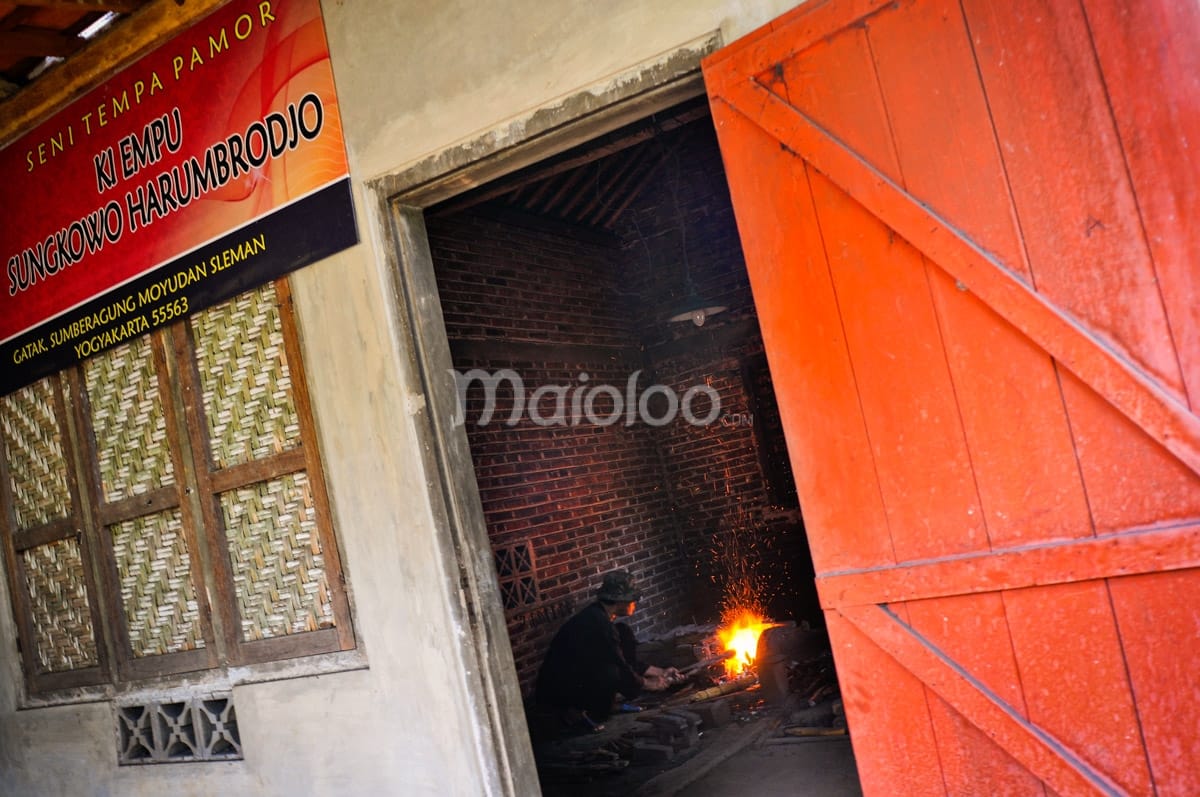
618, 588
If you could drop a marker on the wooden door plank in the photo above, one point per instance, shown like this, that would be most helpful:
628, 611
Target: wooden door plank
1130, 480
1073, 673
891, 327
972, 763
1159, 621
945, 146
1036, 748
1122, 350
806, 348
891, 383
905, 389
834, 83
905, 386
1067, 175
973, 630
1152, 43
1118, 380
783, 37
1142, 45
1029, 484
1082, 229
894, 745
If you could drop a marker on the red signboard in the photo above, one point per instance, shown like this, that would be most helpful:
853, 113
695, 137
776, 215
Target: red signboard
211, 165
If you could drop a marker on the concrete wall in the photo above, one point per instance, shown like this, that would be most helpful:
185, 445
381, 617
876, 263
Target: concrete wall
413, 78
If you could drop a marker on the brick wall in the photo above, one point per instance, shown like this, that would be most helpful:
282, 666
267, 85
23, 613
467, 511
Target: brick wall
586, 497
499, 281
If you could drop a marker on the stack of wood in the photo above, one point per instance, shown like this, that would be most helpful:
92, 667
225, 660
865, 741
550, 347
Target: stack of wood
813, 709
813, 681
659, 736
581, 763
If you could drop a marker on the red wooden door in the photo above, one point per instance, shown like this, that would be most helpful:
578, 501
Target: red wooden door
973, 232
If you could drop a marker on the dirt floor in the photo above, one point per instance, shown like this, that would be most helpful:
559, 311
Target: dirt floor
751, 753
823, 768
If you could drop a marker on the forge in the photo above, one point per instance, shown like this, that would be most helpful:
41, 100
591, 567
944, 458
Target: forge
734, 705
749, 686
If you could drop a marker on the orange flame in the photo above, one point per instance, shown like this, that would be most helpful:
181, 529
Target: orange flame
740, 634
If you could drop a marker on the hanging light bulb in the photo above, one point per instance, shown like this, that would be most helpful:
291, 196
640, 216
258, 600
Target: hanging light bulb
696, 309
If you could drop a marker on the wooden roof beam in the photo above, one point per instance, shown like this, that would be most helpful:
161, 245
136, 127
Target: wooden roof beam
603, 147
119, 6
38, 43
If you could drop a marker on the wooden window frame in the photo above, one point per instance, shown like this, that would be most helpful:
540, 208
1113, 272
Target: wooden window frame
17, 541
106, 514
212, 482
195, 493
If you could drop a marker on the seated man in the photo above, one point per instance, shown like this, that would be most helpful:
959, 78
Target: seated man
585, 667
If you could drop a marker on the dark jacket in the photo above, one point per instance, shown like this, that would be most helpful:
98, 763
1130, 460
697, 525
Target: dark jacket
584, 668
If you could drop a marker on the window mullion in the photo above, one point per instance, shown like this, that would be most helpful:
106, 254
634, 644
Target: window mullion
106, 593
218, 578
191, 452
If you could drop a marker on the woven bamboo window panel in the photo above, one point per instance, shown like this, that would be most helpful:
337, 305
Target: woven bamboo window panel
57, 589
128, 421
34, 447
163, 493
518, 582
245, 379
196, 729
276, 557
154, 566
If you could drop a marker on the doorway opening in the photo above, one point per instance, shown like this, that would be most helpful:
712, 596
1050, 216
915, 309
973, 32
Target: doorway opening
618, 405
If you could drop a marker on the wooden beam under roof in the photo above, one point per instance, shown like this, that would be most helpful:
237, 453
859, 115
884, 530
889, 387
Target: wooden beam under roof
119, 6
36, 42
581, 156
99, 58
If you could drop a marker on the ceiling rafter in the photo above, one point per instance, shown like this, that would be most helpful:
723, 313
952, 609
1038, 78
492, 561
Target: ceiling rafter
23, 42
118, 6
627, 194
16, 18
555, 186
